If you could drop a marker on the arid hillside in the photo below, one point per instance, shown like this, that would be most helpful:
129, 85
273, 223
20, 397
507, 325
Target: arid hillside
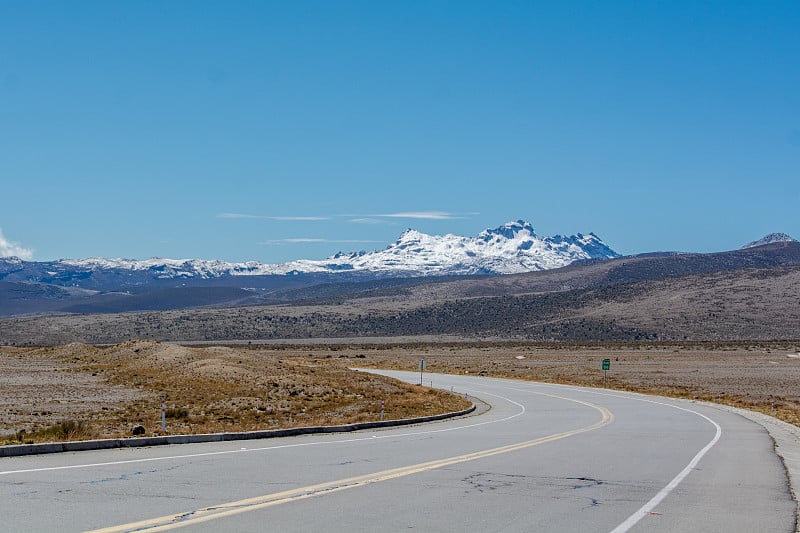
742, 304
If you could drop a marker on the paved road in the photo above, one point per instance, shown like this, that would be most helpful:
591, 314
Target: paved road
544, 458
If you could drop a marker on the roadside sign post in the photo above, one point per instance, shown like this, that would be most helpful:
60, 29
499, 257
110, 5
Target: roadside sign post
606, 368
421, 368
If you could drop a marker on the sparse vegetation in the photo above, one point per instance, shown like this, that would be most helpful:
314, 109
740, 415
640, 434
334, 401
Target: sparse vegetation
627, 304
62, 431
209, 389
245, 387
177, 413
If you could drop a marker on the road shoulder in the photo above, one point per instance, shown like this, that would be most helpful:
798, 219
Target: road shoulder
787, 446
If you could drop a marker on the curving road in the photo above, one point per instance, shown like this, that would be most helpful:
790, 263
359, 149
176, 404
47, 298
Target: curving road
543, 458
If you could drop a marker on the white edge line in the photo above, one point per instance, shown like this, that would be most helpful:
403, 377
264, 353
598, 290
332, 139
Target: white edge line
623, 527
664, 492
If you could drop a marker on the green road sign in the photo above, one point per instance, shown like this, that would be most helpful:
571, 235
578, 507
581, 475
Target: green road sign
606, 364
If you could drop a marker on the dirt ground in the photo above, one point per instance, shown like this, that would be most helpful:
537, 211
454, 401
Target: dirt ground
106, 391
38, 391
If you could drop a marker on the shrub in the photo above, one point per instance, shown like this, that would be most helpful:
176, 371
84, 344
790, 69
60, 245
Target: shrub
177, 412
64, 430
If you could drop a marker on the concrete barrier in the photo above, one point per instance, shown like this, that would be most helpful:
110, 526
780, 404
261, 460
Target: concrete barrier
105, 444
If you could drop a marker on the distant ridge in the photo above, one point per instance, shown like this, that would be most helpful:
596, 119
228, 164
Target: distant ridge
741, 295
416, 268
769, 239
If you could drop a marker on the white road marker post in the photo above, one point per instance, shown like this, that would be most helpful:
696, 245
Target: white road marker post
383, 408
421, 368
164, 415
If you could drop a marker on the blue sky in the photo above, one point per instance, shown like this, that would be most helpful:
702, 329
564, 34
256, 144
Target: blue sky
274, 131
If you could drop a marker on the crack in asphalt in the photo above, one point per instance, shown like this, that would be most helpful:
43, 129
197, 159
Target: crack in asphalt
493, 480
123, 477
129, 475
591, 482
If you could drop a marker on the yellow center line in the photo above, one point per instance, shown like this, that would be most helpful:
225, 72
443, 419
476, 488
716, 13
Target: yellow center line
223, 510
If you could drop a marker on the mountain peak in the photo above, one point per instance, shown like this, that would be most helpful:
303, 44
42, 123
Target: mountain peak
409, 233
511, 248
769, 239
509, 230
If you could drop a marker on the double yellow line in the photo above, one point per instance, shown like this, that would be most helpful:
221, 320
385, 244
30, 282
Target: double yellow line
215, 512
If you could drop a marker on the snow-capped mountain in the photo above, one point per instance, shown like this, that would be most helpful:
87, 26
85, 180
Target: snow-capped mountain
121, 285
512, 248
769, 239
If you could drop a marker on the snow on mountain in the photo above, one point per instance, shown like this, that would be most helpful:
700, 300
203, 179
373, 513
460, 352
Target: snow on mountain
176, 268
769, 239
512, 248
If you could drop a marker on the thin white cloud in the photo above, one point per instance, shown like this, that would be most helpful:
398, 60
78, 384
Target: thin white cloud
367, 221
266, 217
13, 249
356, 218
298, 240
237, 215
311, 240
311, 219
422, 215
383, 218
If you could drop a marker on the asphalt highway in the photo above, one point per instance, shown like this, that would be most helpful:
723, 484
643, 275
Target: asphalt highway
543, 458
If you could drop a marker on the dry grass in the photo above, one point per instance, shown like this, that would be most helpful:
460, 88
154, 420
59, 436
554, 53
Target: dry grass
219, 388
224, 389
